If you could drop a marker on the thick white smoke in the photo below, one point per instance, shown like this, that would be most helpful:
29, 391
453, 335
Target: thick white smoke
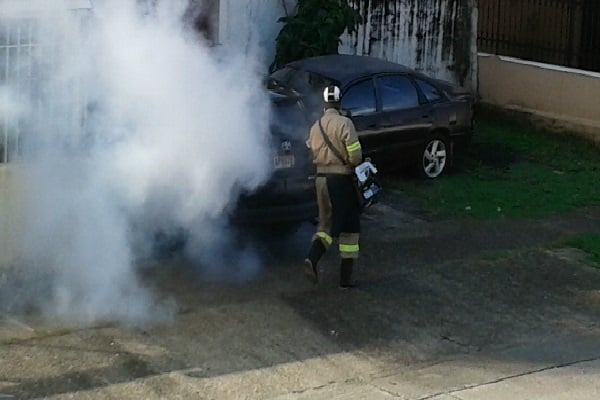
172, 133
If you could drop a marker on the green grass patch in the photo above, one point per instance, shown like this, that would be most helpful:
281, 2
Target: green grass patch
512, 170
589, 243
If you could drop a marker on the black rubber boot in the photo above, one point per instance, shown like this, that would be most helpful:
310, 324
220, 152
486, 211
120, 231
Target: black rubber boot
346, 273
317, 249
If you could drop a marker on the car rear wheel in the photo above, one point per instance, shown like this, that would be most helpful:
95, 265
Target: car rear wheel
434, 157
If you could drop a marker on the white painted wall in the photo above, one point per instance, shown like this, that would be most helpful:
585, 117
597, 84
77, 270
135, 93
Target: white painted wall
251, 25
12, 209
35, 7
12, 218
436, 37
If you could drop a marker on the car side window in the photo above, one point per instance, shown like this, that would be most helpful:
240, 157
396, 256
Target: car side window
359, 99
397, 92
432, 94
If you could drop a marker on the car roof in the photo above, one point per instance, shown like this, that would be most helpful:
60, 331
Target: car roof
347, 68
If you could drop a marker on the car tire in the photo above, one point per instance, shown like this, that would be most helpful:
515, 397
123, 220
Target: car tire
434, 157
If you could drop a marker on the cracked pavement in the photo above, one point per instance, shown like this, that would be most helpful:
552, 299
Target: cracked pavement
445, 310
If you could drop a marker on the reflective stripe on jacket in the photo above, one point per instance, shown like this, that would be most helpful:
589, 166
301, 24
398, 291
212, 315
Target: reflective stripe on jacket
342, 135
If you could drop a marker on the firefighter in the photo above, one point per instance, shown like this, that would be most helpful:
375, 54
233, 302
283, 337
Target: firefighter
336, 151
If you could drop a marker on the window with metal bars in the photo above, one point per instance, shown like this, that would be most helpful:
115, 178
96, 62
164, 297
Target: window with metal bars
32, 101
18, 45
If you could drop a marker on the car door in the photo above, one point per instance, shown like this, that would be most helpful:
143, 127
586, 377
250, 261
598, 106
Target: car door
360, 101
455, 116
404, 118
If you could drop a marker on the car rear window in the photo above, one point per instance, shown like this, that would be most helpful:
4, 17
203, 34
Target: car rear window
288, 116
431, 93
301, 81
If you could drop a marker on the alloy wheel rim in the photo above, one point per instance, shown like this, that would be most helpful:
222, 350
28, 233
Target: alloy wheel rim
434, 158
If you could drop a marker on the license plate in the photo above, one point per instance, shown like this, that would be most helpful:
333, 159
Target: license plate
284, 161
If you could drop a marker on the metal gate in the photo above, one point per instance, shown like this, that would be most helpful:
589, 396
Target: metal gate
590, 36
561, 32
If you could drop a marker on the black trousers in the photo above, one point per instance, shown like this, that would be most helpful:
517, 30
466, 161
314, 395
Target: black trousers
339, 213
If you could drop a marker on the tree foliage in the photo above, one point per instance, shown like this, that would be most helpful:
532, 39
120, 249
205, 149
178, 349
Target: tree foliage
315, 30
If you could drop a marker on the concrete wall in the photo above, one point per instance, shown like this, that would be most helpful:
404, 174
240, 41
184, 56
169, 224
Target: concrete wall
11, 216
560, 98
437, 37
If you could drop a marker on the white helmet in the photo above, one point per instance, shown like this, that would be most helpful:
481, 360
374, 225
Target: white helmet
331, 94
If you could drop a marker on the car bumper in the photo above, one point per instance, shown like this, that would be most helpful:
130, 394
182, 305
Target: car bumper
275, 214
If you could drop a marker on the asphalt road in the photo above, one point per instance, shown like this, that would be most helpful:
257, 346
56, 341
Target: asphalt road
445, 310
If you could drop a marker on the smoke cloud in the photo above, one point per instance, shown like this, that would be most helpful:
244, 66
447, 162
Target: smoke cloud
138, 127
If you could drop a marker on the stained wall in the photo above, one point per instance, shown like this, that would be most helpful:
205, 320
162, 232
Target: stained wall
437, 37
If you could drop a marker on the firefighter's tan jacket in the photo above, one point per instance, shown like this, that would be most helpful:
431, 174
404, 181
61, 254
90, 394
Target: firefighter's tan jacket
342, 135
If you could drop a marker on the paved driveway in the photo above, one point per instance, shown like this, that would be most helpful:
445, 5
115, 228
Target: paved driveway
445, 310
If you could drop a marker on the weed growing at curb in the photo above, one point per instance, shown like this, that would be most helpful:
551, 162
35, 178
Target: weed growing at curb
588, 243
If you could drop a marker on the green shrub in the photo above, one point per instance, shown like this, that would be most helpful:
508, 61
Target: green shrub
315, 30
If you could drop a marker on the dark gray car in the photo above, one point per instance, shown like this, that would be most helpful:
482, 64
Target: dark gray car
289, 196
403, 118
